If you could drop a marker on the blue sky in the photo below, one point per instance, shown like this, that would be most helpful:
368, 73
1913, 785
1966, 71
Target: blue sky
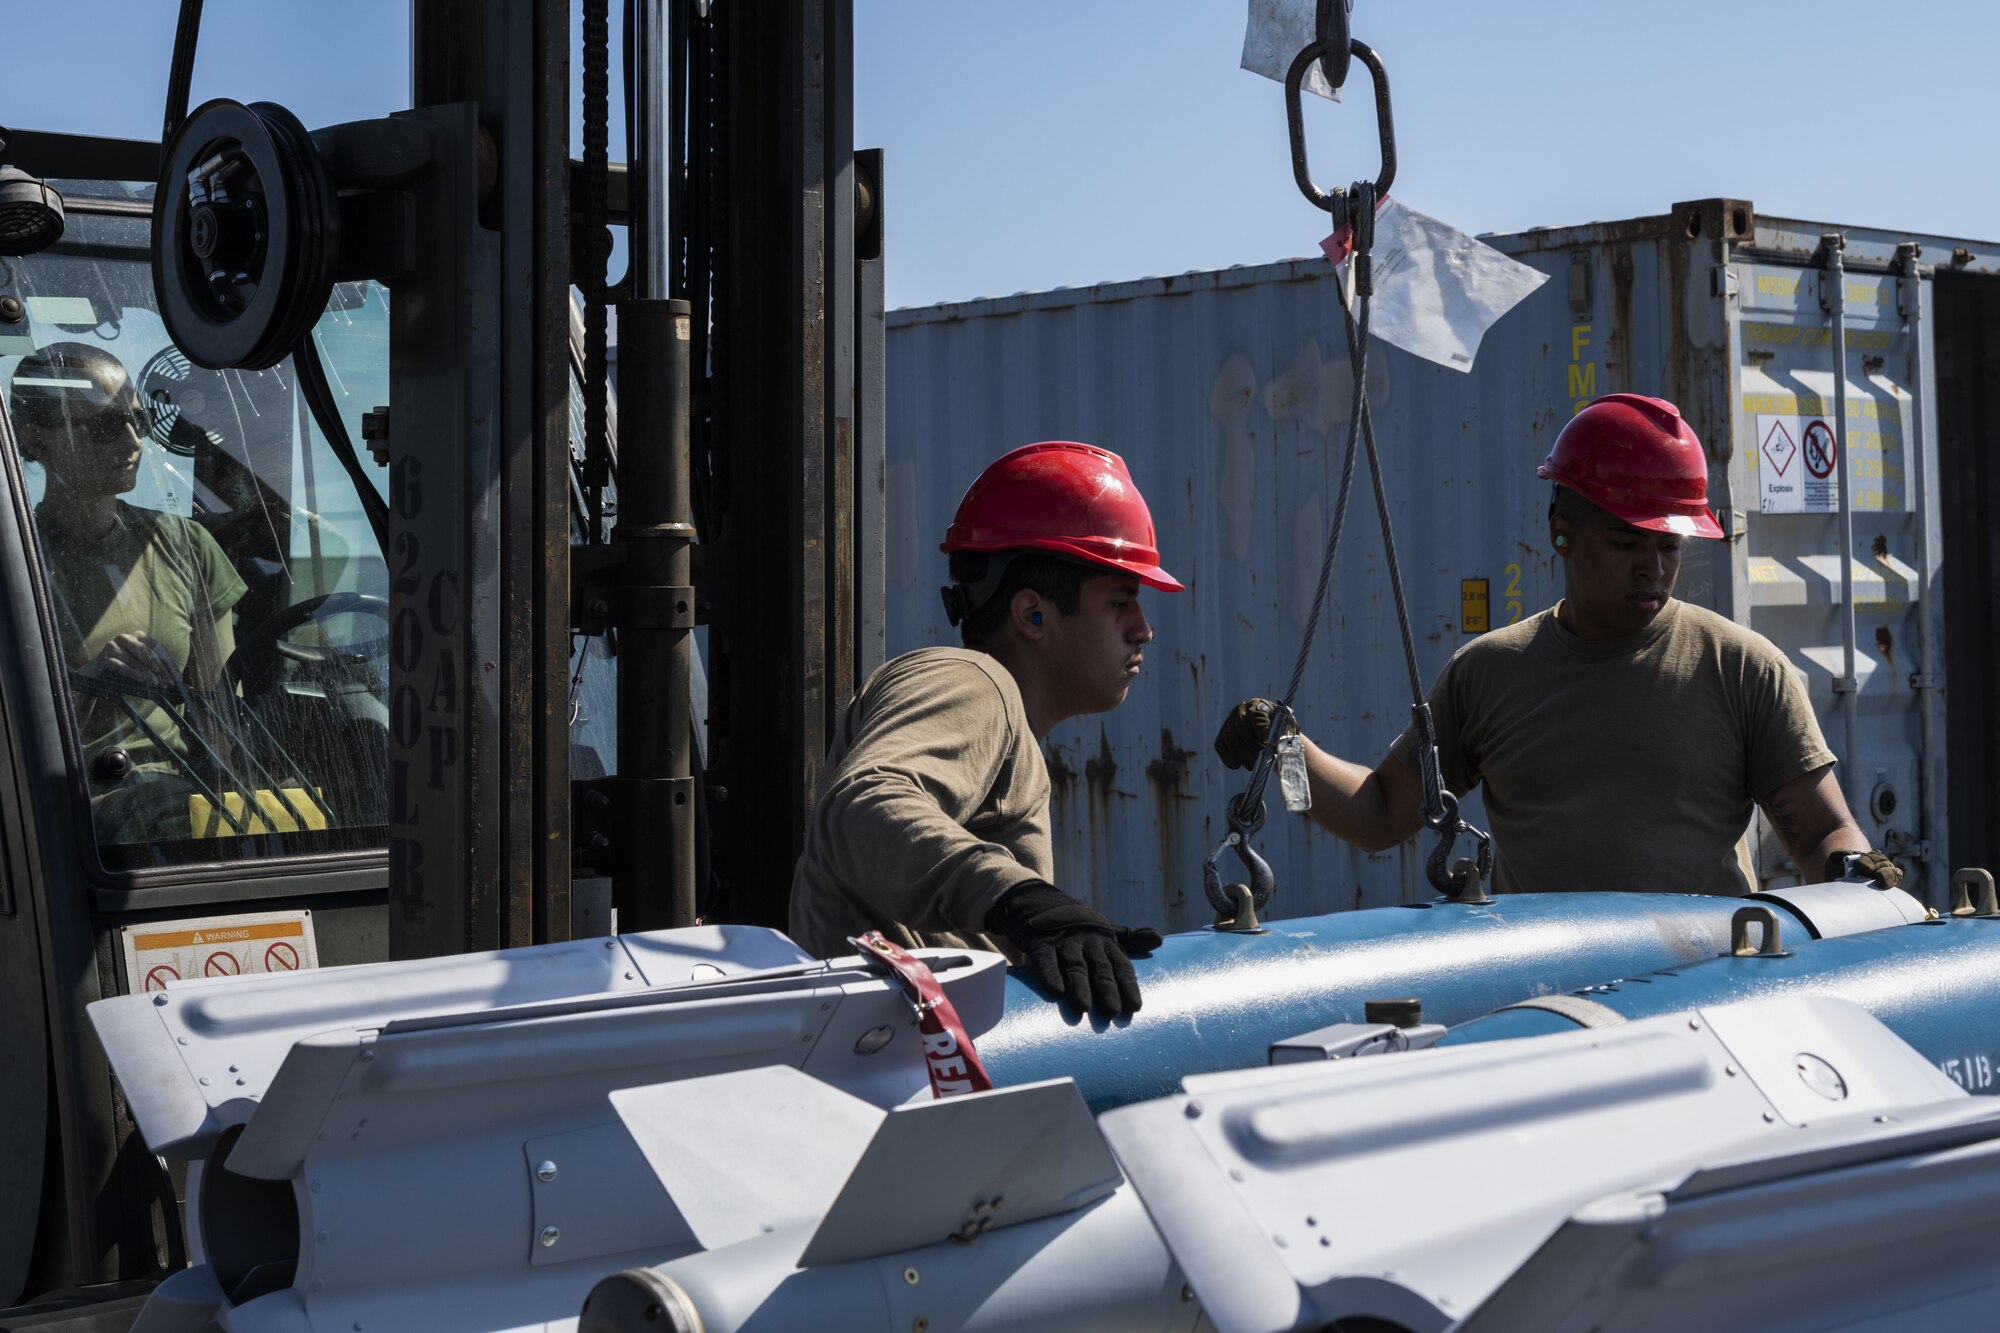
1038, 143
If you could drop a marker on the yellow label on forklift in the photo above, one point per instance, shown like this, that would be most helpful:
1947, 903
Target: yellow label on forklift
1472, 606
217, 946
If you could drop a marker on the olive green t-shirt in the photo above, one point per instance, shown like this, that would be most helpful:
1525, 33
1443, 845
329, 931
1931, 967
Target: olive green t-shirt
934, 802
1628, 763
155, 573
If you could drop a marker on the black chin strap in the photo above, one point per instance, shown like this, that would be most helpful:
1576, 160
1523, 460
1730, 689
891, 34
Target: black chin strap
962, 600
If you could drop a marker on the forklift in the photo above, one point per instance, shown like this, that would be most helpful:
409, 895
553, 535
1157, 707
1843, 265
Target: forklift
507, 661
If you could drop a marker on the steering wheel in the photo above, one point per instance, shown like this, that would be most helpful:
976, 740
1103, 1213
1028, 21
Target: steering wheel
259, 648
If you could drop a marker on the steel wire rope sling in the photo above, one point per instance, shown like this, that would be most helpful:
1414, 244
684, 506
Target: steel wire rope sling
1353, 211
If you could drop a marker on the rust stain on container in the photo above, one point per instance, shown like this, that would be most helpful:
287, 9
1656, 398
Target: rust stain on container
1168, 774
1106, 871
1167, 771
1101, 768
1618, 341
1062, 777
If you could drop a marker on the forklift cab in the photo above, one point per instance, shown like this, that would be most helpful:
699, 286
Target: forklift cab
413, 742
183, 822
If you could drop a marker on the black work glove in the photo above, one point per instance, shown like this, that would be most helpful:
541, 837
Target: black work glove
1244, 732
1867, 865
1077, 953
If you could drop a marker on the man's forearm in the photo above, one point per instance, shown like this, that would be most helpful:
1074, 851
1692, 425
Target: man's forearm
1352, 802
1811, 858
1812, 818
887, 838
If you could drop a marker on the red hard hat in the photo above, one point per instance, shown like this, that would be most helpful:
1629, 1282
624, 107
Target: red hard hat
1067, 499
1637, 460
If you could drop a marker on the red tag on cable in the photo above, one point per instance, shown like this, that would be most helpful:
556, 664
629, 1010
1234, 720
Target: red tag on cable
1337, 246
953, 1065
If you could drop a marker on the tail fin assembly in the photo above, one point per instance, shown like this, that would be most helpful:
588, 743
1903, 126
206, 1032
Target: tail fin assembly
430, 1144
870, 1181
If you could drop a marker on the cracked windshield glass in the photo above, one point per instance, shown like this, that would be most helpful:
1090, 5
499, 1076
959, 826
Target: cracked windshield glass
214, 598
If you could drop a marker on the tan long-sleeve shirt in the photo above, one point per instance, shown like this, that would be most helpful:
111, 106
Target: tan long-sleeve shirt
933, 803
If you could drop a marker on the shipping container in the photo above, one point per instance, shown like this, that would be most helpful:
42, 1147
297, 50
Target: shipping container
1228, 393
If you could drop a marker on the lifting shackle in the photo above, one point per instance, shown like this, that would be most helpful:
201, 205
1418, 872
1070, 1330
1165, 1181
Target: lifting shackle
1335, 201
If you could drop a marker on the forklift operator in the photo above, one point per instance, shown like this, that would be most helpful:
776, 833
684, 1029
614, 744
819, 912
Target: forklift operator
1622, 736
933, 821
141, 598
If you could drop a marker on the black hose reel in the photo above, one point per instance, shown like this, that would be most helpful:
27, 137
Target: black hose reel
246, 235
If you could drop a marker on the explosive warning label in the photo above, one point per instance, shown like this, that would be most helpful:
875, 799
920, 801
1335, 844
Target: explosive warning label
217, 946
1799, 464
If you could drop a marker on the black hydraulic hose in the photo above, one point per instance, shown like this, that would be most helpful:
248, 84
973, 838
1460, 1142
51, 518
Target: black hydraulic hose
695, 216
596, 172
629, 52
678, 97
319, 397
180, 75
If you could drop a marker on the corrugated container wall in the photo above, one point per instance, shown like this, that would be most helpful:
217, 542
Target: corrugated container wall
1228, 393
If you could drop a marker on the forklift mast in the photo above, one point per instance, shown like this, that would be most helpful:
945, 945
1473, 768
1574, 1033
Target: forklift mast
716, 534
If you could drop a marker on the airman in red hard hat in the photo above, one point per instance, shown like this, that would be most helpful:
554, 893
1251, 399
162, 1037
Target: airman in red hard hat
932, 824
1623, 738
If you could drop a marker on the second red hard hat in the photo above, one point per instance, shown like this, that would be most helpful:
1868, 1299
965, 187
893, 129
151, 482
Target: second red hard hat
1636, 459
1065, 498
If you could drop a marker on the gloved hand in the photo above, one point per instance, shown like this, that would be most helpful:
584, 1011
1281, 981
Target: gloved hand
1244, 732
1867, 865
1077, 953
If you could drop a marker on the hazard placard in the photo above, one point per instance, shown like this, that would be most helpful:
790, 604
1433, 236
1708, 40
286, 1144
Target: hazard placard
217, 946
1798, 463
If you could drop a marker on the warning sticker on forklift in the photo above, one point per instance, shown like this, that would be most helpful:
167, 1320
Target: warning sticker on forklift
217, 946
1798, 461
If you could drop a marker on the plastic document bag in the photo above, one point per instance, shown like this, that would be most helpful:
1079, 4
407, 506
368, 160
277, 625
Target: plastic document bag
1437, 290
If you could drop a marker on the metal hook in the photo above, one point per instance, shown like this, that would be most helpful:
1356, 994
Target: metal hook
1464, 880
1335, 202
1227, 904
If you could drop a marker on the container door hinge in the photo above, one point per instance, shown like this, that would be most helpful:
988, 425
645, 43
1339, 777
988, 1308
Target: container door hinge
1722, 282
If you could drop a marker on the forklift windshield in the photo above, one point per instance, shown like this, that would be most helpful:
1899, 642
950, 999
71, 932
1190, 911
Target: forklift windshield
212, 594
